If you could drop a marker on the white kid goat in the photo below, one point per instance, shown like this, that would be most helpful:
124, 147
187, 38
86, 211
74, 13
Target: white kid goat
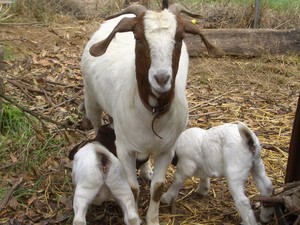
98, 176
230, 151
135, 69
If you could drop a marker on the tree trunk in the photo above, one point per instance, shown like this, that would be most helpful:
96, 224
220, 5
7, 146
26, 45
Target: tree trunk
246, 42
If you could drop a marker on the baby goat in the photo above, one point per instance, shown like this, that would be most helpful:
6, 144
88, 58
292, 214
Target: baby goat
230, 151
98, 176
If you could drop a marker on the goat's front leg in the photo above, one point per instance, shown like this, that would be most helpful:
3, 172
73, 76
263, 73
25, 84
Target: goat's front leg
161, 163
128, 161
179, 178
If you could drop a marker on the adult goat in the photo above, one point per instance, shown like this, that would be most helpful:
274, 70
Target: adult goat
135, 68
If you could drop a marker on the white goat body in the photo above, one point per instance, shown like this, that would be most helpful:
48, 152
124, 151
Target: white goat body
230, 151
135, 69
98, 176
110, 84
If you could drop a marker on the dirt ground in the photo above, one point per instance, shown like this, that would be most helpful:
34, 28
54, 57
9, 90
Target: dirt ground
44, 76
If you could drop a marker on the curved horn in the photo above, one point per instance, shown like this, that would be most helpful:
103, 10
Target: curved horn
176, 8
134, 8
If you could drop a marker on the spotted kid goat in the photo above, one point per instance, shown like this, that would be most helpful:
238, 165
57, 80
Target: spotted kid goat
230, 151
135, 69
98, 176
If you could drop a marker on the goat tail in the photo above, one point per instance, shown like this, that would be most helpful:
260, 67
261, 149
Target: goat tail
249, 137
103, 158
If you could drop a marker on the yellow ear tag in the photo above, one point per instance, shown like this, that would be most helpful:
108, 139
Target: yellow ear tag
194, 21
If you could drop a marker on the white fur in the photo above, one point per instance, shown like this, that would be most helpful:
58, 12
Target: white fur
92, 185
222, 151
110, 82
160, 35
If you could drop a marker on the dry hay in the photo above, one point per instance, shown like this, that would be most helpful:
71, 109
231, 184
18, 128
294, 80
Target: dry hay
262, 92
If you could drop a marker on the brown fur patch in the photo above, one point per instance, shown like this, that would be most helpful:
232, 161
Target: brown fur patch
250, 143
107, 137
76, 148
135, 193
158, 191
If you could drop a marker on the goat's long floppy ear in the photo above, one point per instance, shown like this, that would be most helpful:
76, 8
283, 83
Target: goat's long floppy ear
193, 29
125, 25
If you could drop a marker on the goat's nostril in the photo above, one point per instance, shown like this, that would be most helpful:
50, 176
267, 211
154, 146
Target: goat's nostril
162, 79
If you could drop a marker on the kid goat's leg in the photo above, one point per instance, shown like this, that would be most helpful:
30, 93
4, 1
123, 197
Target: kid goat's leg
242, 203
178, 180
264, 185
203, 186
82, 199
123, 195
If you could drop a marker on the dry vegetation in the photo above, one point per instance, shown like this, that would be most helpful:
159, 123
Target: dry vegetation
41, 74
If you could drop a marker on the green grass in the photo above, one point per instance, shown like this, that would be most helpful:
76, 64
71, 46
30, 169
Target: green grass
19, 130
283, 4
13, 121
28, 154
8, 55
16, 134
273, 4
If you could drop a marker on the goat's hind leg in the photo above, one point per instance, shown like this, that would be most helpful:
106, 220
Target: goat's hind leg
92, 109
123, 195
264, 185
242, 203
82, 200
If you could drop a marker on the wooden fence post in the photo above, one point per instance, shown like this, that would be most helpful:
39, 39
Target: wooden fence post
293, 165
257, 14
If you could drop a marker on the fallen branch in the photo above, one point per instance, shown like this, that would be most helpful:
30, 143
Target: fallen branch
9, 193
267, 199
287, 196
7, 166
37, 115
22, 86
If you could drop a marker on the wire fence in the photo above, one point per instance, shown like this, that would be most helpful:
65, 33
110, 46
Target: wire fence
216, 14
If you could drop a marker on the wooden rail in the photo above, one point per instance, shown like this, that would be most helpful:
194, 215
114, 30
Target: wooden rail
247, 42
